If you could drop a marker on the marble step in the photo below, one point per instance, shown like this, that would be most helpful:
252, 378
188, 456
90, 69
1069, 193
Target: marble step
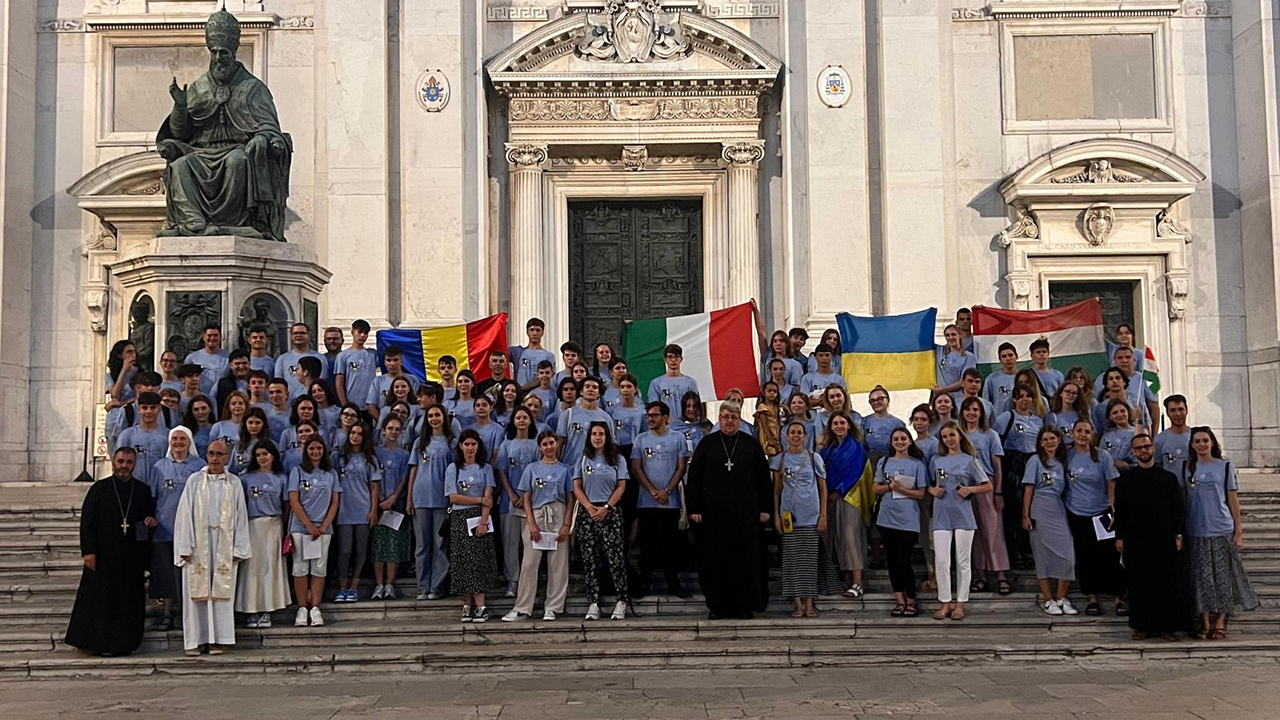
955, 644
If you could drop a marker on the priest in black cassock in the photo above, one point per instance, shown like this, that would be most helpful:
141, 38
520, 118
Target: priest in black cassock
115, 532
729, 499
1149, 522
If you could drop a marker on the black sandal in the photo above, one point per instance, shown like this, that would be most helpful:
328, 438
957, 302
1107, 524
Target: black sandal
1122, 610
1005, 588
978, 586
1093, 608
910, 610
898, 610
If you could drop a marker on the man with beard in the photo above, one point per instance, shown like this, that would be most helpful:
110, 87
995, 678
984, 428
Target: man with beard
1149, 522
729, 499
115, 542
228, 160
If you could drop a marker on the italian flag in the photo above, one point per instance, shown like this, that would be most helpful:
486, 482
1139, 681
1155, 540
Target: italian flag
720, 350
1150, 371
1074, 333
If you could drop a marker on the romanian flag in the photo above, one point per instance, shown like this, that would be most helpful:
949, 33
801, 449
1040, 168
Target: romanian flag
469, 344
896, 351
720, 350
1074, 333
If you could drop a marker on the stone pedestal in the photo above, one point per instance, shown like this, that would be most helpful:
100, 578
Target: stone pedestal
225, 280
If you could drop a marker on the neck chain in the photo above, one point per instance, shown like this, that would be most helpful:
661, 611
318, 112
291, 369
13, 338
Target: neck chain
728, 463
124, 511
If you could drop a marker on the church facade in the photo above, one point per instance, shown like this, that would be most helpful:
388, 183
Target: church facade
592, 161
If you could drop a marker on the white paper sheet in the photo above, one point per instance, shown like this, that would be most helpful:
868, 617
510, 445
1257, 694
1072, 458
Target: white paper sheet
549, 541
311, 549
1100, 530
473, 523
391, 519
898, 494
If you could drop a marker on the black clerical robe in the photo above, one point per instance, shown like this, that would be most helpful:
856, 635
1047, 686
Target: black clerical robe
1149, 514
110, 605
732, 562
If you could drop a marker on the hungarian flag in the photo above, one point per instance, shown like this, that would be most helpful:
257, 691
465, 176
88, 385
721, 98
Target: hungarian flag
1074, 333
469, 344
1150, 371
720, 350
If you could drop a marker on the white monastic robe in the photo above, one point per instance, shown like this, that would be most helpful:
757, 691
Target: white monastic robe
212, 529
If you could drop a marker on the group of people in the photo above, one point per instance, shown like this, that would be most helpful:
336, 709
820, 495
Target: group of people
233, 471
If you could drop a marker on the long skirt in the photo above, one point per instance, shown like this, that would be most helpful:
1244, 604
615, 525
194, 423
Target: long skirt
1051, 542
1097, 562
807, 567
262, 584
473, 566
166, 578
1218, 580
848, 535
989, 552
394, 546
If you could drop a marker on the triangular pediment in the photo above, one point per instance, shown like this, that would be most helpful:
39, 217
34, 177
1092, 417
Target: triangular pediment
612, 50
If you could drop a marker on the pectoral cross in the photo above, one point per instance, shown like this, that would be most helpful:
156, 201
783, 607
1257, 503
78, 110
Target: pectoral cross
124, 526
728, 464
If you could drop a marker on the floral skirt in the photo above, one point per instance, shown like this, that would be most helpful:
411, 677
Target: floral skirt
1218, 580
473, 566
394, 546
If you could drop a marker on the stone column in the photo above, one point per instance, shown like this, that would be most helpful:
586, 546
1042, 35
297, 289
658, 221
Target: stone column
743, 282
528, 257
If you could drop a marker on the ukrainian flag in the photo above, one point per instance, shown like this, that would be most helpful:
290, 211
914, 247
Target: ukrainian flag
896, 351
468, 344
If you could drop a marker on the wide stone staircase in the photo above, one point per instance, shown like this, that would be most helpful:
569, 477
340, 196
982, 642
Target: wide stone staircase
40, 569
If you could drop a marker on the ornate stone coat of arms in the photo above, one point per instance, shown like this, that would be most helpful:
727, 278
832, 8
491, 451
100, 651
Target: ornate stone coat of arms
633, 31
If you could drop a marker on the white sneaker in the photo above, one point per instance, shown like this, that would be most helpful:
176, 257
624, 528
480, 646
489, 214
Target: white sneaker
317, 619
377, 593
619, 611
300, 620
514, 616
434, 596
480, 615
593, 612
252, 622
1067, 607
1052, 607
423, 596
389, 592
265, 620
549, 616
466, 613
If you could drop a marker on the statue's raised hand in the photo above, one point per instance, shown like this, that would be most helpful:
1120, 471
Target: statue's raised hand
179, 94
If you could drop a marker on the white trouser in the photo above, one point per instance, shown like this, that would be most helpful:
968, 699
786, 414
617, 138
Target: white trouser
942, 563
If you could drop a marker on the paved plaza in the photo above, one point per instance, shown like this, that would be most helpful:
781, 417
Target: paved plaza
1219, 690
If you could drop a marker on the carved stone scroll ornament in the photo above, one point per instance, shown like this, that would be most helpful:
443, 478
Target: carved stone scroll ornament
1167, 226
526, 155
95, 300
743, 153
1097, 222
635, 157
633, 31
1023, 226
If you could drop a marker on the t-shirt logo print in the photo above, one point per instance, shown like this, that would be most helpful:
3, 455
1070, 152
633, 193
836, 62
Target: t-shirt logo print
170, 484
589, 470
1047, 477
1192, 481
788, 473
254, 491
650, 453
464, 485
353, 365
577, 428
540, 483
305, 485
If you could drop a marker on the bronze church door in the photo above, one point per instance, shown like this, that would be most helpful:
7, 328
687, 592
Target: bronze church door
630, 260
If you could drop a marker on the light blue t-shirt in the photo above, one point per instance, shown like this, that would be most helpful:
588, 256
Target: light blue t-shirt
1138, 393
215, 365
986, 446
463, 410
492, 435
1064, 420
428, 484
315, 490
356, 475
1087, 482
1050, 381
359, 369
951, 472
659, 456
394, 466
818, 381
168, 478
599, 478
379, 386
801, 472
929, 446
1050, 483
1022, 431
670, 390
514, 456
1118, 443
951, 367
151, 446
527, 366
547, 483
264, 494
573, 425
549, 402
1172, 451
471, 481
277, 421
691, 432
628, 422
901, 513
792, 376
1208, 514
287, 369
266, 364
876, 432
997, 389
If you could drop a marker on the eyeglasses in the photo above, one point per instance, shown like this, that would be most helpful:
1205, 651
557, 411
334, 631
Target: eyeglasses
654, 414
350, 414
1146, 446
877, 399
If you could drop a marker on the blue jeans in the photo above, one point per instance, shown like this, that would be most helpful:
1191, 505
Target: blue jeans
429, 557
